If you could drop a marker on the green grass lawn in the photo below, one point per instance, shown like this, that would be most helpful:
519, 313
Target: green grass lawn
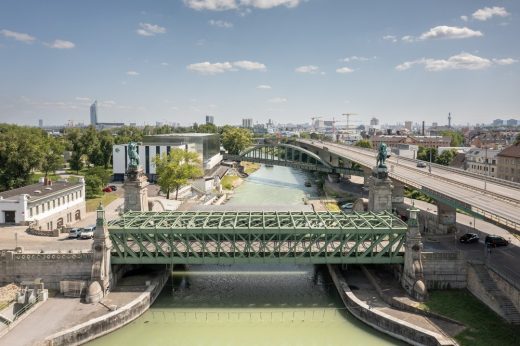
106, 199
228, 181
484, 326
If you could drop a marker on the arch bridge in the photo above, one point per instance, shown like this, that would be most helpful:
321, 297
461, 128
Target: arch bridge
256, 237
288, 155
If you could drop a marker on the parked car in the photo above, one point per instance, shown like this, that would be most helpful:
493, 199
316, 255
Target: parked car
495, 240
107, 189
347, 206
88, 232
421, 164
469, 238
113, 187
75, 233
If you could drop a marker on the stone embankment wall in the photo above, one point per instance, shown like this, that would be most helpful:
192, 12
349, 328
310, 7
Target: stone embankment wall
508, 287
387, 324
105, 324
444, 270
50, 267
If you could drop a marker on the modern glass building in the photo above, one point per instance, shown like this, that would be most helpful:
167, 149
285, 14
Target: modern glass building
93, 114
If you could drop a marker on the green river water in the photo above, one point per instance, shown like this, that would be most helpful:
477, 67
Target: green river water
251, 305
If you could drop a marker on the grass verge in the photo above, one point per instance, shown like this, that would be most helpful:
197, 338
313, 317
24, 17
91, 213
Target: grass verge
332, 206
484, 326
106, 199
250, 167
228, 182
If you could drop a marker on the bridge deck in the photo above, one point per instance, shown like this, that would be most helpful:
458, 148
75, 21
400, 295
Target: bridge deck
257, 237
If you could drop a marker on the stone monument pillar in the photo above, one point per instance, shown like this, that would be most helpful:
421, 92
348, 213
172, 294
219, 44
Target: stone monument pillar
101, 274
412, 278
380, 185
136, 182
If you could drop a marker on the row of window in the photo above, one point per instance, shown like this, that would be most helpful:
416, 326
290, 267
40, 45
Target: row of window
57, 202
481, 168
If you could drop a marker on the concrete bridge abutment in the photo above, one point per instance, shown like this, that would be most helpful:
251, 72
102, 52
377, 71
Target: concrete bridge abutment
446, 218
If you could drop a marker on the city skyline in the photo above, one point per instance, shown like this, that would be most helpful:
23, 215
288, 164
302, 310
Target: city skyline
286, 60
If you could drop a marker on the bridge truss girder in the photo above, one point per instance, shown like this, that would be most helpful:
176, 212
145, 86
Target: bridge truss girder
257, 237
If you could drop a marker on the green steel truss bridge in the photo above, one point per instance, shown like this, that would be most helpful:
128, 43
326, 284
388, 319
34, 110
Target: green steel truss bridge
256, 237
289, 155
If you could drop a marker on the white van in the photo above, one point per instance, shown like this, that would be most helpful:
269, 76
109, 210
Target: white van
88, 232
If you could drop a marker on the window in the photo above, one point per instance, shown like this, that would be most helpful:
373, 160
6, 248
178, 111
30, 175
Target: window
37, 209
59, 202
53, 203
31, 212
48, 205
43, 208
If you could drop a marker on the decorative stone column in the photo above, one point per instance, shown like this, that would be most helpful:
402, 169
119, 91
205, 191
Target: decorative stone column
101, 274
397, 194
380, 190
412, 278
446, 218
136, 191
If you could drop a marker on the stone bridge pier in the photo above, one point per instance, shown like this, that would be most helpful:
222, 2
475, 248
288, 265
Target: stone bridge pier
446, 218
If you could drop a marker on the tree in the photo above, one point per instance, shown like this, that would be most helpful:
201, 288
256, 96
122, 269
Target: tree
52, 155
207, 128
93, 186
446, 157
236, 139
76, 159
106, 143
457, 139
363, 143
424, 154
100, 172
175, 169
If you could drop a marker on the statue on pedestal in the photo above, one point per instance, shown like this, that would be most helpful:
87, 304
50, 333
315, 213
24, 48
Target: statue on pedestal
136, 193
381, 156
133, 156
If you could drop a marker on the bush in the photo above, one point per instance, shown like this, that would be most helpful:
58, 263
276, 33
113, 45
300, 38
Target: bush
93, 186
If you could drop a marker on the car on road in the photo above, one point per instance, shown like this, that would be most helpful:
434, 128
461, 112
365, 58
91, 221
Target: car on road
107, 189
88, 232
75, 233
421, 164
469, 238
113, 187
347, 206
495, 240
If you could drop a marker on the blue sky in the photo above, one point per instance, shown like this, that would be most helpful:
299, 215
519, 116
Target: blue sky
286, 60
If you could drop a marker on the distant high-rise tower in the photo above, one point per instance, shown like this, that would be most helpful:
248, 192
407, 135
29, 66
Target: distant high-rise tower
247, 123
449, 120
210, 119
40, 123
93, 114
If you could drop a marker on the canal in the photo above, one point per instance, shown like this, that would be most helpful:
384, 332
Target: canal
251, 304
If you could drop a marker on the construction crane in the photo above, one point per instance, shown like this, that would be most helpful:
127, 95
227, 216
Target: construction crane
348, 115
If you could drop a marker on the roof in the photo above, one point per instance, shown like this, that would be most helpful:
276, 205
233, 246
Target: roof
511, 151
45, 190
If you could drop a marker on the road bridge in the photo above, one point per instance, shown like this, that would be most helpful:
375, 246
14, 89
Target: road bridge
493, 199
256, 237
288, 155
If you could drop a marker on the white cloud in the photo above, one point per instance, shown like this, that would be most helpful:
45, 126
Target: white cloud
132, 73
488, 12
449, 32
243, 5
221, 24
443, 32
164, 64
462, 61
249, 65
464, 18
220, 67
263, 86
358, 58
505, 61
147, 29
390, 38
61, 44
310, 69
210, 68
277, 100
18, 36
344, 70
84, 99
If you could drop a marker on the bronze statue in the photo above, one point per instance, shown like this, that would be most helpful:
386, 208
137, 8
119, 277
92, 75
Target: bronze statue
133, 155
382, 156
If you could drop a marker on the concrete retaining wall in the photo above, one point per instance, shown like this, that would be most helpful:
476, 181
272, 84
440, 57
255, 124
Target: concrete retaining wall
476, 287
508, 288
379, 320
444, 270
50, 267
105, 324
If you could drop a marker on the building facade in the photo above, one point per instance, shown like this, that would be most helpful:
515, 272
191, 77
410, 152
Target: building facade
393, 141
247, 123
508, 163
46, 205
482, 161
210, 119
206, 145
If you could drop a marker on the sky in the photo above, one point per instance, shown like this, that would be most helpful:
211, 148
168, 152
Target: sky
286, 60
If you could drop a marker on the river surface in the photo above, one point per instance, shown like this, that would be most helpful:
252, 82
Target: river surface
251, 304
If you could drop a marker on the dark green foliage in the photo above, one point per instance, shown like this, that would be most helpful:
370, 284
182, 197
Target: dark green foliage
363, 143
93, 186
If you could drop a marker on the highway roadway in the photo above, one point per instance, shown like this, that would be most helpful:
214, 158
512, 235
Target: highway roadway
498, 202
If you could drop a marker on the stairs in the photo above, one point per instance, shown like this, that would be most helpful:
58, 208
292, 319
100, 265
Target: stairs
510, 312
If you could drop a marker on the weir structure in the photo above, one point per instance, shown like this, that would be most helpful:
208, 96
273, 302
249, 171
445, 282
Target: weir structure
256, 237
